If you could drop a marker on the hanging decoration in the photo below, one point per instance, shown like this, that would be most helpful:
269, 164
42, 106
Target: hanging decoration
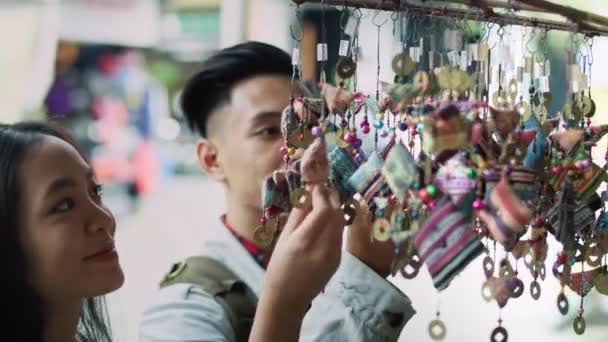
467, 160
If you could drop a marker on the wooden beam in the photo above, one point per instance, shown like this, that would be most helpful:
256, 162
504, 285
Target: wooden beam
576, 21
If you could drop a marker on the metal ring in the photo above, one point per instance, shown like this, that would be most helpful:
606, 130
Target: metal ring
380, 229
535, 290
437, 335
500, 331
579, 325
562, 304
346, 68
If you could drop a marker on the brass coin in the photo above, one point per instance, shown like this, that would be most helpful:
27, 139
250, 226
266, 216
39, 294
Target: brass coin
301, 138
263, 235
411, 269
301, 198
437, 330
518, 290
346, 68
488, 291
500, 334
488, 266
381, 229
587, 107
535, 290
562, 304
402, 64
579, 325
505, 271
350, 209
600, 281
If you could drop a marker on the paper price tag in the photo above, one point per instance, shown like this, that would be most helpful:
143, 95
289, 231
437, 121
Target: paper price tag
321, 52
344, 44
352, 25
295, 57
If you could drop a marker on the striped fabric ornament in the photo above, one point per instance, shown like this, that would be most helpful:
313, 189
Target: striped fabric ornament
593, 177
275, 195
400, 170
506, 216
522, 179
447, 243
366, 173
342, 166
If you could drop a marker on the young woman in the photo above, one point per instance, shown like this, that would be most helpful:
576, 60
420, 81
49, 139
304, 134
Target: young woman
58, 257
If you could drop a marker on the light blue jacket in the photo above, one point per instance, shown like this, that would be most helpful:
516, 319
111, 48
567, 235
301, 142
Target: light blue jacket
357, 304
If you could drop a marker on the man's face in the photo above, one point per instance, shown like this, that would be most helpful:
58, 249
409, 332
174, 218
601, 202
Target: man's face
247, 135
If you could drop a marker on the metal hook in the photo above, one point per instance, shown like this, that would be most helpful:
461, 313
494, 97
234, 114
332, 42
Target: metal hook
532, 35
376, 17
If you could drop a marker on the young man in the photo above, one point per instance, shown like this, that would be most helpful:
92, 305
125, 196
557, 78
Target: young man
235, 103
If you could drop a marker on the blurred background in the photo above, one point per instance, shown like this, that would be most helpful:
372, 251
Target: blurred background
112, 70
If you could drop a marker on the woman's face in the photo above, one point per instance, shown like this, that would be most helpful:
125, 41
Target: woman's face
66, 231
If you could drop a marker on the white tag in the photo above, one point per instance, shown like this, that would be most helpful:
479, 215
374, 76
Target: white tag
421, 43
295, 57
547, 67
456, 39
520, 74
474, 51
575, 87
464, 60
537, 70
321, 52
413, 52
526, 80
352, 25
544, 84
343, 48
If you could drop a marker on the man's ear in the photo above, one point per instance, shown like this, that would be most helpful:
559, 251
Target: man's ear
207, 153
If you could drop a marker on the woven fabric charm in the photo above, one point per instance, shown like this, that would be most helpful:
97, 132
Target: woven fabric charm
447, 130
592, 177
582, 282
400, 171
367, 173
507, 215
453, 178
275, 195
561, 215
447, 243
341, 167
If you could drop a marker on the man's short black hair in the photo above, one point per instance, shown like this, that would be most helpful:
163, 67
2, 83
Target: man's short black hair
212, 85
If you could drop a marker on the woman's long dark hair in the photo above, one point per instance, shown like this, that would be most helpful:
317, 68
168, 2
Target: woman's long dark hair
24, 316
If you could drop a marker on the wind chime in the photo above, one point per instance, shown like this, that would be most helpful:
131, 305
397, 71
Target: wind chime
467, 160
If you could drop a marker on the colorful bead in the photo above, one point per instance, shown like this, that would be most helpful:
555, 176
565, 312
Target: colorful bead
431, 190
416, 186
378, 124
400, 218
402, 126
478, 204
380, 213
357, 143
472, 173
365, 129
420, 127
424, 195
316, 131
556, 170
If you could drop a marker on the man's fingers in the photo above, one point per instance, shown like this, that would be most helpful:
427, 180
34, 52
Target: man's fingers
295, 219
